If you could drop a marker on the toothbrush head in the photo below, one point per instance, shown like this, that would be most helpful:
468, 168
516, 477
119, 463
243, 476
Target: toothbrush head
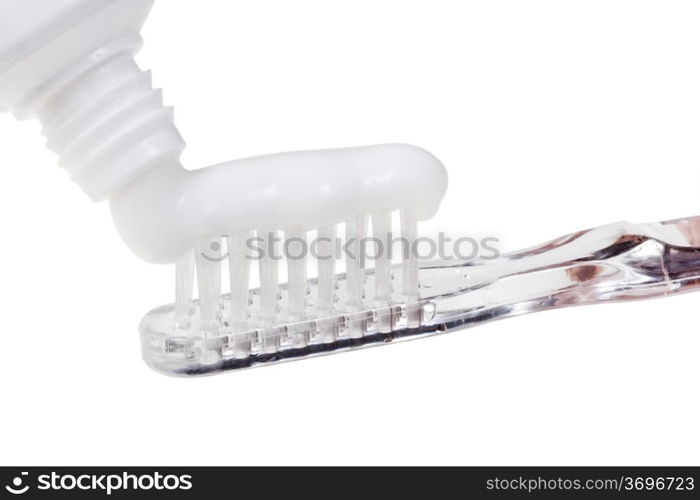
276, 321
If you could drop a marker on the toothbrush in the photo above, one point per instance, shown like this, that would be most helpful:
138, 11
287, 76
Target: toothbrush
69, 63
617, 262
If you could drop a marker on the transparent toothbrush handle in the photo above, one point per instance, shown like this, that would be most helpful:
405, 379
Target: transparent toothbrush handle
617, 262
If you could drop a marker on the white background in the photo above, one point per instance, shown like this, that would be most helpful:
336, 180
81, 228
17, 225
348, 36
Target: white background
550, 116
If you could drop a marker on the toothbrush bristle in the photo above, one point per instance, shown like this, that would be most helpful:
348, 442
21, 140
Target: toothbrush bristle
326, 268
208, 260
184, 286
296, 270
409, 228
381, 230
239, 277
